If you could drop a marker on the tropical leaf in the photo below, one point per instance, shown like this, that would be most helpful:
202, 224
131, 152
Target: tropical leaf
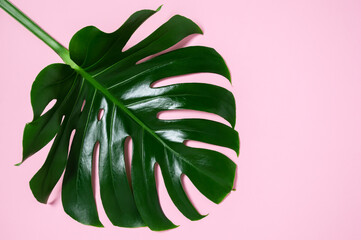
100, 78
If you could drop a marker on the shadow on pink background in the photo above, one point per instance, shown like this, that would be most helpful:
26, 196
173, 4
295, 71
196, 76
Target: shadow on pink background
296, 76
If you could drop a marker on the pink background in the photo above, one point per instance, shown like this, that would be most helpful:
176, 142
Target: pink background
297, 80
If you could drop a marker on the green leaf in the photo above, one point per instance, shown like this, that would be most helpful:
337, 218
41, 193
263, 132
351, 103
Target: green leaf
101, 76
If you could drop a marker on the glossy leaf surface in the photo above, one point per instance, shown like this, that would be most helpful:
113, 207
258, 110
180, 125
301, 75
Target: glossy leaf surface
109, 81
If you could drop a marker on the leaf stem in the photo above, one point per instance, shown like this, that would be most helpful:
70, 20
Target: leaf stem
64, 54
35, 29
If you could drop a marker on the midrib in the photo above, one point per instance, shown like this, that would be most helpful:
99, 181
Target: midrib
89, 78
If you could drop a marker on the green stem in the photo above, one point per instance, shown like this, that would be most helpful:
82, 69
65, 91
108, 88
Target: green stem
64, 54
35, 29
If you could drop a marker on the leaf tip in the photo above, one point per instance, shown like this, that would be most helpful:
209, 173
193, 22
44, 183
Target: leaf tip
200, 31
173, 226
100, 225
227, 73
159, 8
238, 144
228, 76
163, 228
39, 196
18, 164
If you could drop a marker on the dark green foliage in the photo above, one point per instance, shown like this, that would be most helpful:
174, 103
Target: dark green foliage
108, 78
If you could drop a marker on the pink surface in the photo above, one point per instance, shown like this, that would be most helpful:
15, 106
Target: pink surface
297, 80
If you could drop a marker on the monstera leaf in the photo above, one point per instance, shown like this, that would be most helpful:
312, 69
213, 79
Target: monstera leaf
105, 95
